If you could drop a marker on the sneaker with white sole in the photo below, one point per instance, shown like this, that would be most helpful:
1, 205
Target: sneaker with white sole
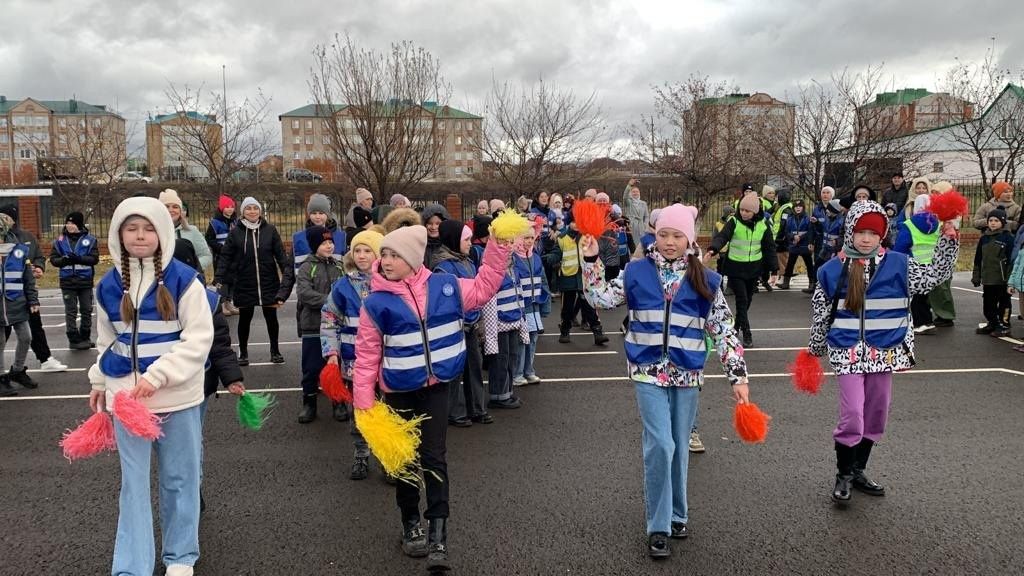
52, 365
533, 379
180, 570
519, 381
696, 446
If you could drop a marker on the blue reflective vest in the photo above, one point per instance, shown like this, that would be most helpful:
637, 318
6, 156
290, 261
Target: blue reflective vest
531, 279
884, 319
659, 328
301, 251
348, 301
647, 240
14, 272
510, 298
83, 247
623, 241
220, 229
148, 336
407, 363
461, 269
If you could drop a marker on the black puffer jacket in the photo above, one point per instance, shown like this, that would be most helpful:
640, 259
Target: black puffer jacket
223, 362
251, 264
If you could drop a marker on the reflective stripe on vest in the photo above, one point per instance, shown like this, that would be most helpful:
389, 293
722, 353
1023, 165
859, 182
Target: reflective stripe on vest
923, 248
885, 318
462, 269
138, 345
407, 364
301, 251
14, 272
348, 302
82, 247
779, 213
509, 299
623, 241
531, 279
745, 245
220, 230
570, 256
649, 339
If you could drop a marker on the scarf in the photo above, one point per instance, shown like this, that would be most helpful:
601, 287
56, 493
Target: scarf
251, 225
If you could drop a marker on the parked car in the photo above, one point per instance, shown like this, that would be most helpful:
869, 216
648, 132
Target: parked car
132, 177
302, 175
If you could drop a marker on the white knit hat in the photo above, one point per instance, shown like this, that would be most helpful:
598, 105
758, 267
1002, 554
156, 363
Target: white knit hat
169, 197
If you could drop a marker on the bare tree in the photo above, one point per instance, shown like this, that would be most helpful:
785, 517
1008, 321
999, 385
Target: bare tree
994, 138
541, 137
382, 112
241, 138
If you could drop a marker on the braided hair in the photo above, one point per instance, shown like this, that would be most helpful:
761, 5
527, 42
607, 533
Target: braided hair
164, 301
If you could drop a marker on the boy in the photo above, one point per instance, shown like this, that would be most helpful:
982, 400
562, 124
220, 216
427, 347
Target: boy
314, 279
992, 271
75, 252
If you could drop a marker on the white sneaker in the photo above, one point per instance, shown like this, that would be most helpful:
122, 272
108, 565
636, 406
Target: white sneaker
52, 365
696, 446
519, 381
179, 570
533, 379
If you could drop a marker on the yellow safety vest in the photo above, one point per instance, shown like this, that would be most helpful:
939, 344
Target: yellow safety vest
570, 255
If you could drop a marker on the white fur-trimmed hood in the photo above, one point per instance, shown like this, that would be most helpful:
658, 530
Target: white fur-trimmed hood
150, 209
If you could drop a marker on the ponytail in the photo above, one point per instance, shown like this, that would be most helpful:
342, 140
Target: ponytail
855, 286
698, 276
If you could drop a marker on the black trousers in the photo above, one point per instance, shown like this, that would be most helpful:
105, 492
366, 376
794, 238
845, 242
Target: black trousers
743, 290
431, 401
466, 394
921, 310
573, 300
245, 319
39, 346
808, 263
77, 305
312, 364
995, 303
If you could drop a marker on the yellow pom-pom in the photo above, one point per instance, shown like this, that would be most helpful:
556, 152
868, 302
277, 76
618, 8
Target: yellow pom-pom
392, 439
509, 225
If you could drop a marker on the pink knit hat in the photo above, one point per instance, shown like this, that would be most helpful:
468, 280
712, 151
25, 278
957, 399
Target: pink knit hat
409, 242
678, 217
467, 233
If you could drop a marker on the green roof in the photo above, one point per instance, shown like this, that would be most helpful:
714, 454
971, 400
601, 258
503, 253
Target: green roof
905, 96
190, 114
442, 112
59, 106
725, 100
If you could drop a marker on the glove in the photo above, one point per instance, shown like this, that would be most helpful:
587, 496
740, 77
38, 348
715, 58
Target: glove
976, 283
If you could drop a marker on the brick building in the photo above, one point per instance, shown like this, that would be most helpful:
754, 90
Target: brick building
908, 111
181, 145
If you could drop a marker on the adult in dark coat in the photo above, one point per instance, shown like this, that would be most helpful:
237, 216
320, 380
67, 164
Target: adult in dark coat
251, 264
897, 192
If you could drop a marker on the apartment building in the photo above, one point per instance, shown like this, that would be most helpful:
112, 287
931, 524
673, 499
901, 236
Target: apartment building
908, 111
86, 140
306, 137
751, 133
182, 145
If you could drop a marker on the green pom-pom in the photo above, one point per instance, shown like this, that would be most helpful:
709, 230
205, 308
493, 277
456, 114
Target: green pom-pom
253, 409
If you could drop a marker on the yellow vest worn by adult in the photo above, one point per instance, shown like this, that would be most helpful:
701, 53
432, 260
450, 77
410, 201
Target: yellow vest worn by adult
745, 245
570, 256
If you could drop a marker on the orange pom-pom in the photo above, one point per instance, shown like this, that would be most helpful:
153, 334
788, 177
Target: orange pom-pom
333, 386
807, 372
590, 217
751, 424
135, 417
93, 436
948, 206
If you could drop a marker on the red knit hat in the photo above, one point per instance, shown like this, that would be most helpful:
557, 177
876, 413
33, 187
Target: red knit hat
873, 221
225, 202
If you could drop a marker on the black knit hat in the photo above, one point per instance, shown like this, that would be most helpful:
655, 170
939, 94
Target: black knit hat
77, 219
998, 213
361, 216
11, 210
317, 235
450, 233
481, 227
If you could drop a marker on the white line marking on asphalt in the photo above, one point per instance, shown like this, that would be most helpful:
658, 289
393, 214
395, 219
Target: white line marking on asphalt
966, 289
575, 353
62, 324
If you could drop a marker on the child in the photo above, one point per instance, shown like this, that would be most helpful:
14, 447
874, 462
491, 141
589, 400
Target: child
153, 301
916, 237
667, 375
860, 319
222, 223
20, 298
75, 252
1016, 281
751, 253
481, 234
411, 346
890, 213
566, 256
315, 277
467, 399
339, 319
992, 272
505, 334
533, 286
796, 235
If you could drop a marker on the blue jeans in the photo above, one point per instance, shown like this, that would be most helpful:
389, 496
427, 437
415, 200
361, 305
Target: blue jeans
667, 416
527, 352
178, 453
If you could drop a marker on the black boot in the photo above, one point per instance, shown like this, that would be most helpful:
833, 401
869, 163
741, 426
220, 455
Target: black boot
73, 340
437, 546
84, 336
308, 412
748, 338
21, 377
414, 539
360, 468
860, 481
599, 338
810, 287
785, 283
5, 386
341, 412
563, 333
845, 456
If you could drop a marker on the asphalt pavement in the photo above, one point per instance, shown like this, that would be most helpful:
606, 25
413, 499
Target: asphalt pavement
557, 487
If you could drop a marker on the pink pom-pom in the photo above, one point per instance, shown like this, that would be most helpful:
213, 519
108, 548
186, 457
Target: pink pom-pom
136, 418
807, 372
93, 436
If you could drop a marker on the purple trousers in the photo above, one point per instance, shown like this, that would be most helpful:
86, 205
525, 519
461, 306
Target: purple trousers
863, 407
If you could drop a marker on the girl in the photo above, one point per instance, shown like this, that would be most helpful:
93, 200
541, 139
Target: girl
154, 335
411, 346
251, 262
433, 215
797, 237
751, 252
76, 252
505, 333
566, 257
222, 223
19, 298
666, 362
533, 286
339, 319
860, 319
916, 237
467, 399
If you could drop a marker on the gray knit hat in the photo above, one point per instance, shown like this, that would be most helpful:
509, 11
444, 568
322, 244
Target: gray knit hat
319, 203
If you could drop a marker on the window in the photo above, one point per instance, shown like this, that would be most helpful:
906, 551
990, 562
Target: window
3, 137
458, 125
81, 122
458, 155
297, 140
95, 122
309, 124
4, 155
458, 170
937, 167
25, 153
309, 140
995, 163
310, 155
22, 121
1007, 130
469, 169
296, 155
295, 124
62, 122
40, 121
458, 140
327, 139
3, 122
440, 125
63, 139
325, 124
469, 126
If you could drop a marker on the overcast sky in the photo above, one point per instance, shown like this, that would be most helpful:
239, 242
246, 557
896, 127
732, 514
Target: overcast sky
124, 53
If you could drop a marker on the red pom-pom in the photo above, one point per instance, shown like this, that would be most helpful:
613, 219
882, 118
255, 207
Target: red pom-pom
590, 217
948, 206
93, 436
751, 424
807, 372
136, 418
333, 386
